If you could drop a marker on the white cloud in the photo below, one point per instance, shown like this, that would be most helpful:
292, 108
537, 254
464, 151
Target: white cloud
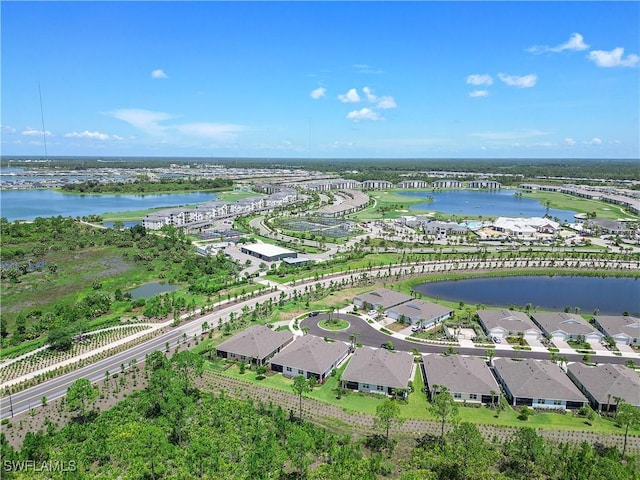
371, 97
87, 134
146, 120
479, 93
215, 131
159, 73
569, 141
479, 79
318, 93
524, 81
614, 58
32, 132
594, 141
117, 137
386, 102
575, 43
364, 114
7, 129
350, 97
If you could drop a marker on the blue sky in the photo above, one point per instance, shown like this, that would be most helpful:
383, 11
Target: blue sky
326, 79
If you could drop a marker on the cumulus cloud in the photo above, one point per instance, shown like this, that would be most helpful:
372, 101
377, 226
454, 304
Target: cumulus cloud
524, 81
87, 134
350, 97
479, 79
386, 102
479, 93
318, 93
594, 141
32, 132
364, 114
7, 129
614, 58
371, 97
575, 43
569, 141
159, 73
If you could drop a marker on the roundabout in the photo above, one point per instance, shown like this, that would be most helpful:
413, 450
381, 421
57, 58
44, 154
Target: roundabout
334, 324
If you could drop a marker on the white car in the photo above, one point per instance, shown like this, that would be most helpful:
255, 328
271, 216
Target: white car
373, 313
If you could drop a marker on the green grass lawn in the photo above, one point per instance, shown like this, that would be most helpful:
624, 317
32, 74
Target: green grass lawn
417, 404
563, 201
235, 195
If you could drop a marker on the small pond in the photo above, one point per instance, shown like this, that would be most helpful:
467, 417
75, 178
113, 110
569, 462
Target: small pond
148, 290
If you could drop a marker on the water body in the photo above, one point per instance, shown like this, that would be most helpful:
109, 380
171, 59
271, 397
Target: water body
610, 295
29, 204
489, 203
148, 290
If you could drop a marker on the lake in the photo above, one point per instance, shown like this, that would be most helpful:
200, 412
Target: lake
489, 203
148, 290
29, 204
610, 295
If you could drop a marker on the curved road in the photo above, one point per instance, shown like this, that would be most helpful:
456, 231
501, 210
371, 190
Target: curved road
369, 336
57, 387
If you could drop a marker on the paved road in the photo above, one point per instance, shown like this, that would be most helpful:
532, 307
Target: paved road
57, 387
368, 335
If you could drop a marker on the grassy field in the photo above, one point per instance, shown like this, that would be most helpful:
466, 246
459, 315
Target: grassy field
235, 195
416, 407
563, 201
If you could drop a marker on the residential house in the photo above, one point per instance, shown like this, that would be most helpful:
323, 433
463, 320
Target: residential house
566, 326
467, 378
607, 384
419, 312
377, 370
537, 384
310, 356
381, 298
508, 323
624, 329
257, 343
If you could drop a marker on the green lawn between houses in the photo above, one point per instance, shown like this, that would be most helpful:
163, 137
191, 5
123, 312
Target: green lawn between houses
416, 407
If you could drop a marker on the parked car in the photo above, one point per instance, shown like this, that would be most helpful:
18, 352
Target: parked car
313, 314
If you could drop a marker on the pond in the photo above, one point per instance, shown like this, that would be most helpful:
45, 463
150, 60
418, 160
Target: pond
610, 295
489, 203
148, 290
29, 204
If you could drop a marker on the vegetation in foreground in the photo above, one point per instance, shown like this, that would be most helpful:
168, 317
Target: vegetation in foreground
171, 430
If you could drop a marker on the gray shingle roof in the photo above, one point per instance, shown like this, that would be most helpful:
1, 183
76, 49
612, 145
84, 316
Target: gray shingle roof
460, 374
421, 309
311, 353
565, 322
612, 379
509, 320
537, 379
384, 297
378, 366
620, 324
256, 341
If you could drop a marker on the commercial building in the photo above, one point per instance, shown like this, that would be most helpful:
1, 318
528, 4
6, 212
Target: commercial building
268, 252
